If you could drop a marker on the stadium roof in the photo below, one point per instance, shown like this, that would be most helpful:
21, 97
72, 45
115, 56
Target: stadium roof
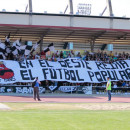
65, 33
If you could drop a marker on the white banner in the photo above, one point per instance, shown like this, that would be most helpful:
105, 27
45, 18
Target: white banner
87, 89
71, 70
68, 88
52, 87
20, 89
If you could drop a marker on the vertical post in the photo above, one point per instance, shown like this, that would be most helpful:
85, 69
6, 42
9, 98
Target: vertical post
30, 12
71, 6
92, 43
30, 6
109, 6
71, 12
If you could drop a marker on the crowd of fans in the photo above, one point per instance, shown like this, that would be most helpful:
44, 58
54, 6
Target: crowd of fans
88, 56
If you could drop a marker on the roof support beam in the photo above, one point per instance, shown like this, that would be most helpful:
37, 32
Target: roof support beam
41, 44
68, 35
103, 11
42, 36
93, 38
92, 43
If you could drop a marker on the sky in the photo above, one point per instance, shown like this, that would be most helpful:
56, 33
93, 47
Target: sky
121, 8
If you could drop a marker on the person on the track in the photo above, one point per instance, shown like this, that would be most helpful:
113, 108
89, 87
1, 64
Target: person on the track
108, 88
36, 89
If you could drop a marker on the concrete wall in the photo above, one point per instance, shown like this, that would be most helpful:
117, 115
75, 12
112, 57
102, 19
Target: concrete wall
65, 20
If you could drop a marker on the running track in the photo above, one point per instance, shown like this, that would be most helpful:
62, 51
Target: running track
65, 99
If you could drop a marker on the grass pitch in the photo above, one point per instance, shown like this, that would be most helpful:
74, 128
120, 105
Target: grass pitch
74, 116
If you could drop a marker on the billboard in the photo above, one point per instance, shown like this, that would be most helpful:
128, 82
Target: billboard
84, 9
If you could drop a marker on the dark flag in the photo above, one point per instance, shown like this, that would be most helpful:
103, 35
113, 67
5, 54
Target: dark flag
2, 51
7, 40
16, 47
35, 46
26, 49
49, 48
8, 47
